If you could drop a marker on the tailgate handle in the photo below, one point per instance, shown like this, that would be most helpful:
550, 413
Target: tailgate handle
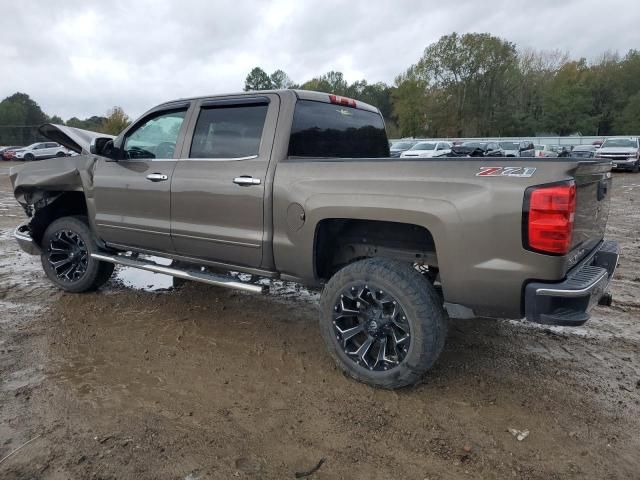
603, 188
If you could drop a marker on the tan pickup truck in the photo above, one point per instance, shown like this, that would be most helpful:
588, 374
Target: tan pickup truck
299, 186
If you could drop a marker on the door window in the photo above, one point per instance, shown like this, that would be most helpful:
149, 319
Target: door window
155, 137
229, 131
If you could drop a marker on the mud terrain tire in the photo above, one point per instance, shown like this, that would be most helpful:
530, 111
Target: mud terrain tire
384, 292
67, 245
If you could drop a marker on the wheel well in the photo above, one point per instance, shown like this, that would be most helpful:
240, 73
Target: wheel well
340, 241
56, 205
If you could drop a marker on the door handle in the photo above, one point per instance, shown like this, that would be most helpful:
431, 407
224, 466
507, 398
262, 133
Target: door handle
246, 180
157, 177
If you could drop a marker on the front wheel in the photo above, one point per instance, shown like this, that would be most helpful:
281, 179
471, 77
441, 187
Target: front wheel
383, 322
29, 157
66, 258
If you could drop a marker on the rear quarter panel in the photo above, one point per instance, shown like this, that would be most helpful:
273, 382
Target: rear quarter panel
476, 221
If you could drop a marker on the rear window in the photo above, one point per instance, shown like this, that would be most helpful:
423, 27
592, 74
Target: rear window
329, 130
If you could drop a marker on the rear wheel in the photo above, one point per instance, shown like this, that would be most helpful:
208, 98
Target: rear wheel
67, 245
382, 322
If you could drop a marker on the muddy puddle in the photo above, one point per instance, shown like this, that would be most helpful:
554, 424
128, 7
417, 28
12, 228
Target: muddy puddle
142, 280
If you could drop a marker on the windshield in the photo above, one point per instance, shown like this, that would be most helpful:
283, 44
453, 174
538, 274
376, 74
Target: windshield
424, 146
401, 145
510, 145
620, 142
474, 144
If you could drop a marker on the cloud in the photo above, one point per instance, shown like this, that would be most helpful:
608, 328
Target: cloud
80, 57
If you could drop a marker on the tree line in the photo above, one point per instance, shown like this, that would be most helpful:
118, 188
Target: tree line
479, 85
470, 85
20, 117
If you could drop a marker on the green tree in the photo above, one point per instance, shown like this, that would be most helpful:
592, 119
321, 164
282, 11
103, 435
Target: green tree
628, 121
115, 122
475, 75
410, 103
93, 123
568, 101
280, 80
20, 117
257, 79
56, 120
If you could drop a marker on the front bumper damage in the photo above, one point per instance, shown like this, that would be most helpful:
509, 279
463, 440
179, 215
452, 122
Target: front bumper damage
22, 234
569, 302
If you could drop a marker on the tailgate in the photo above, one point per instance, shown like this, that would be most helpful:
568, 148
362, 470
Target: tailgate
593, 193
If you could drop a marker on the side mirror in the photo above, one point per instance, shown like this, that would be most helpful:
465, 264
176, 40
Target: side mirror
103, 146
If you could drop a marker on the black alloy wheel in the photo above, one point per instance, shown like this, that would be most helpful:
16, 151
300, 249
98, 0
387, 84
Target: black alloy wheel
68, 256
371, 327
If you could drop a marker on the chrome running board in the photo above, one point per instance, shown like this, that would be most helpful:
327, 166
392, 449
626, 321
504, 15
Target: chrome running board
204, 277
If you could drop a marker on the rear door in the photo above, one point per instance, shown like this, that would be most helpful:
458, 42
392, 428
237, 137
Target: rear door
218, 186
132, 195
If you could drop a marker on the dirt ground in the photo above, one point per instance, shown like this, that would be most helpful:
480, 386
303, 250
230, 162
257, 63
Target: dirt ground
142, 382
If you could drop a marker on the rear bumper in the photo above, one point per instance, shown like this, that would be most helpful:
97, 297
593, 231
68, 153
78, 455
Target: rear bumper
25, 242
569, 302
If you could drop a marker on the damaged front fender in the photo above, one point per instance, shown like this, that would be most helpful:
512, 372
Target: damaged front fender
36, 182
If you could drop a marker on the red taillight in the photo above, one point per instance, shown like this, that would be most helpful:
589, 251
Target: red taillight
347, 102
549, 219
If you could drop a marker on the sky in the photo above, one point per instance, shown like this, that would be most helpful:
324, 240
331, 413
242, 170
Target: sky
82, 57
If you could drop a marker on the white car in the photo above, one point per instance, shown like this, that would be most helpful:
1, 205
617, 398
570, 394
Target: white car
40, 151
546, 150
428, 150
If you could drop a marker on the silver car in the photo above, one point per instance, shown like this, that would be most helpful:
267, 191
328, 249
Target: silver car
40, 151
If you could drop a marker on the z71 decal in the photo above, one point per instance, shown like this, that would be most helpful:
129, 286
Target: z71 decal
506, 172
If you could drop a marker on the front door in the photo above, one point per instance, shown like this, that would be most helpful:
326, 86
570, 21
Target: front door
132, 195
218, 186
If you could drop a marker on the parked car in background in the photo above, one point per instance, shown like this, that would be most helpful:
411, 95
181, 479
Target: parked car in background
517, 149
546, 150
622, 151
400, 146
478, 149
40, 151
511, 149
7, 150
584, 151
428, 150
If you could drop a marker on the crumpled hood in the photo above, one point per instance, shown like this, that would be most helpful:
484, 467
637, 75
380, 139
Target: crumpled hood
36, 180
74, 139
